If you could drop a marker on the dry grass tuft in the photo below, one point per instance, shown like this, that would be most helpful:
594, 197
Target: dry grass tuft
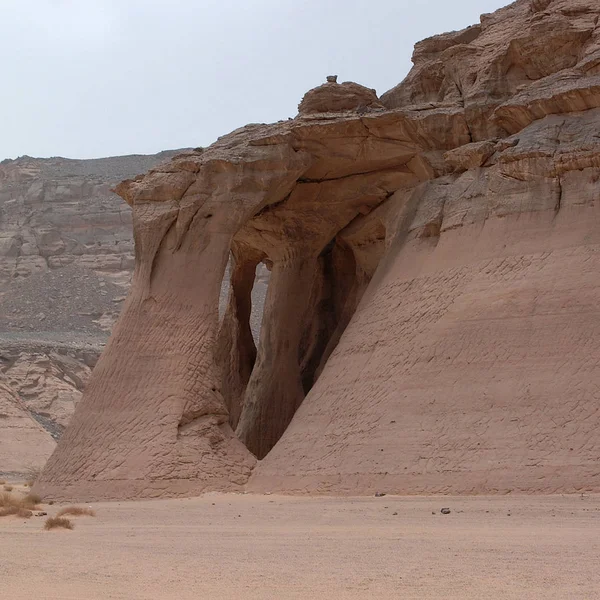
5, 511
2, 481
32, 499
12, 504
58, 522
76, 511
8, 488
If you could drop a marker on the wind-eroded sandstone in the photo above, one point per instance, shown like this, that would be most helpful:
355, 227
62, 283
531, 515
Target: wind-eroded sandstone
431, 318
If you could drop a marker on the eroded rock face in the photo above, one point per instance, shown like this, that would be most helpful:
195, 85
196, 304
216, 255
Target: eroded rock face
66, 261
24, 444
430, 323
48, 384
525, 61
56, 212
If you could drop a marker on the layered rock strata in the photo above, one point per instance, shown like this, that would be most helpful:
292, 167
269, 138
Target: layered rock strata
430, 323
57, 212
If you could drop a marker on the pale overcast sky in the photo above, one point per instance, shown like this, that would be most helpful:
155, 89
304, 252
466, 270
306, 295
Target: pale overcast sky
91, 78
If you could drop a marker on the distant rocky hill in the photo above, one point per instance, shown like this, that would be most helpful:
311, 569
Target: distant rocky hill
66, 258
57, 212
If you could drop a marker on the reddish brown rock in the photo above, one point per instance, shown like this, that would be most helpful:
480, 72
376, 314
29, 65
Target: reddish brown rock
527, 60
431, 319
339, 97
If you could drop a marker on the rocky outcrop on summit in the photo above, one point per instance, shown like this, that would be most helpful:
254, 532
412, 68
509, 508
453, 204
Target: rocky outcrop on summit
334, 97
521, 63
431, 321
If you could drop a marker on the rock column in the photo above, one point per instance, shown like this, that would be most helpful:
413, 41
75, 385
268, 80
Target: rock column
275, 389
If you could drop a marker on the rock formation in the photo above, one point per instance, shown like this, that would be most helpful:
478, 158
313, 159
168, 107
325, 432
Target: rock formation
48, 383
431, 321
66, 259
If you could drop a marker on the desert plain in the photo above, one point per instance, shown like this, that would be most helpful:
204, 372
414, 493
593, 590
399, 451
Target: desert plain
263, 547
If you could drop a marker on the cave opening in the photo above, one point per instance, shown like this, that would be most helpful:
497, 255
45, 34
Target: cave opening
305, 307
236, 352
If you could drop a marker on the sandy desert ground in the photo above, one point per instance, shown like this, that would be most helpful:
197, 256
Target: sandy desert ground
274, 547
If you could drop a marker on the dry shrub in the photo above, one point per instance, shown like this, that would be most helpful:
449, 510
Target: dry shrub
32, 499
58, 522
8, 488
5, 511
76, 511
2, 481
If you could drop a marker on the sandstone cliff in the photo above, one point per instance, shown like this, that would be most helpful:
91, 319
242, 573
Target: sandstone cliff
431, 318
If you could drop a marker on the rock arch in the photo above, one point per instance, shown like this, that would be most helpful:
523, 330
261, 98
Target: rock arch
427, 249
